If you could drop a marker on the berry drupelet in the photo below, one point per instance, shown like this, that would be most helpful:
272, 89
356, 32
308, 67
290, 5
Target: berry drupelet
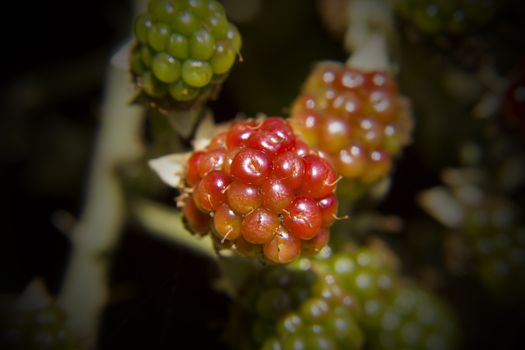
358, 119
260, 191
183, 48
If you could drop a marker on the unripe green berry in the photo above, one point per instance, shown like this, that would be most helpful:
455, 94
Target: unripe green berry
185, 23
202, 45
294, 342
147, 55
178, 46
151, 85
289, 324
196, 73
315, 309
224, 57
166, 68
218, 25
181, 91
143, 24
158, 36
234, 36
198, 7
215, 7
137, 66
161, 9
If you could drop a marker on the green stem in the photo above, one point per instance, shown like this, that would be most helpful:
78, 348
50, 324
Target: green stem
166, 223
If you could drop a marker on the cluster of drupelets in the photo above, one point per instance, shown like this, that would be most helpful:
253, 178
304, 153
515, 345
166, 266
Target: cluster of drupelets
357, 118
183, 48
349, 300
261, 191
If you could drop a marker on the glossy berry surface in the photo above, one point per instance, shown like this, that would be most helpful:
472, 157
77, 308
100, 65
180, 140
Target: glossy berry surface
261, 190
182, 49
358, 119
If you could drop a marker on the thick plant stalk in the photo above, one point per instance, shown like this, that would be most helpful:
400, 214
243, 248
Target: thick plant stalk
84, 291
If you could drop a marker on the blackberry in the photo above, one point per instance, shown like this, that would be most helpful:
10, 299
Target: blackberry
261, 192
497, 244
297, 308
364, 272
183, 50
358, 119
413, 319
39, 329
457, 17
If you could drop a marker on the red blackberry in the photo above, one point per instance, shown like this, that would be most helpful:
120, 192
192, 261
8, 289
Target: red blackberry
358, 119
183, 49
261, 190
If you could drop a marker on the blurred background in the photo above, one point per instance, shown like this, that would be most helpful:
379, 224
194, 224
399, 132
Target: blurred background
466, 81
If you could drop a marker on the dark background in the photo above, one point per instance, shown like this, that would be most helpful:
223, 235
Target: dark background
55, 55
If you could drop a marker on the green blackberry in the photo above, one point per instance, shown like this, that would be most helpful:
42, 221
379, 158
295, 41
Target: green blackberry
183, 50
413, 319
39, 329
498, 248
433, 17
364, 272
292, 309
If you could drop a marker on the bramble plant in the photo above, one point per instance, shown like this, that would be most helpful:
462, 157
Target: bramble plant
362, 191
